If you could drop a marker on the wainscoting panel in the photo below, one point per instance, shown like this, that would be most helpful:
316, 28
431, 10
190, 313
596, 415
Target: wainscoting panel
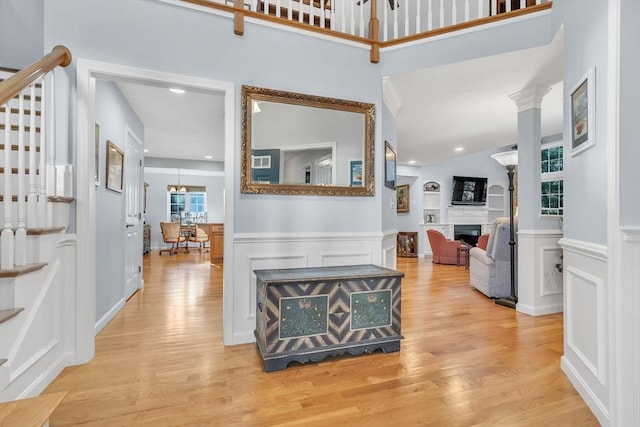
540, 283
39, 342
256, 251
586, 325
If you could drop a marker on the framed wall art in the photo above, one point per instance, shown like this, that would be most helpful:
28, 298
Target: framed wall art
402, 192
389, 166
115, 167
355, 173
582, 113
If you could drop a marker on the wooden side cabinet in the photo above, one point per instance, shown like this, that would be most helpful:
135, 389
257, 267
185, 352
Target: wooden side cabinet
307, 314
408, 244
146, 238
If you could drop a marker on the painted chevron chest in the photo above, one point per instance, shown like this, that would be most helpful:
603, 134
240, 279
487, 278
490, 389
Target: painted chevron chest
307, 314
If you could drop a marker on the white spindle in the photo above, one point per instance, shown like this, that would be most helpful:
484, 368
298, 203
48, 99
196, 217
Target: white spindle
290, 11
332, 14
278, 8
523, 4
343, 19
21, 231
466, 11
32, 218
385, 23
300, 14
322, 10
42, 199
494, 7
395, 23
311, 20
265, 4
418, 25
430, 16
254, 5
6, 238
441, 14
406, 20
508, 5
361, 32
353, 20
480, 8
454, 13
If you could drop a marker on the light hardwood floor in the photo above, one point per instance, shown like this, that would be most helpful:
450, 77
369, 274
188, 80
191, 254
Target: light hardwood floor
463, 361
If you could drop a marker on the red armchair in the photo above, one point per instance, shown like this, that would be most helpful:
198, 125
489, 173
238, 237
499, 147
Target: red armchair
445, 251
482, 241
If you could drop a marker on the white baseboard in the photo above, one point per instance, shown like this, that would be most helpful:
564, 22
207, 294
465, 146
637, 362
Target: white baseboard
596, 406
539, 310
109, 315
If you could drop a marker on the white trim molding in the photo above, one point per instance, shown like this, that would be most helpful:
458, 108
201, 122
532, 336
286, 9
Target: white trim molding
586, 322
540, 283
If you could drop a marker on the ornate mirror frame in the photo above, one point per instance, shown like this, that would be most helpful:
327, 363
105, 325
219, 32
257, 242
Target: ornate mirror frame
247, 185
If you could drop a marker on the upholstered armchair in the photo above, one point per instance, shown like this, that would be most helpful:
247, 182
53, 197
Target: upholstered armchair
171, 234
444, 251
490, 268
199, 236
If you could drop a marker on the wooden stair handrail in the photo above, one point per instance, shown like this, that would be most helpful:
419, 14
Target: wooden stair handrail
12, 86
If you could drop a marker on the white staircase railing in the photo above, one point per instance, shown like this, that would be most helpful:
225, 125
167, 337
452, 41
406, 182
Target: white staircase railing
24, 164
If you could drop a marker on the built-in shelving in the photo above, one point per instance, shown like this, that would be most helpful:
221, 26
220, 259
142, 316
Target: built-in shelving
495, 202
431, 202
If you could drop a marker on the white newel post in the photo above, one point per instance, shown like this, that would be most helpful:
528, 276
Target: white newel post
6, 240
539, 284
20, 243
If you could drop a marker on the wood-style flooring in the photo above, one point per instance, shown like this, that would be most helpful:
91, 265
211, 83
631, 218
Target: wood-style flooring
464, 361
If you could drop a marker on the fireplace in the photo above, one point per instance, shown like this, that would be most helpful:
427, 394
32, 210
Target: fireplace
468, 233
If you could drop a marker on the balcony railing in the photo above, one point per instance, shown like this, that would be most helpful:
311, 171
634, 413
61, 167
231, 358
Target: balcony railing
379, 23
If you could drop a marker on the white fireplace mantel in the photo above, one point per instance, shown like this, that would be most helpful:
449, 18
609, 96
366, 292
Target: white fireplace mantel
468, 215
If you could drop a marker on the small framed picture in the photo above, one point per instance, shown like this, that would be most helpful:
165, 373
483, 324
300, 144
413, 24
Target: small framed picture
96, 166
115, 167
355, 173
582, 113
389, 166
402, 192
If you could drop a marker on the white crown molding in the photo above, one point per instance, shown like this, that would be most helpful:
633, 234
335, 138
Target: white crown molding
390, 96
530, 97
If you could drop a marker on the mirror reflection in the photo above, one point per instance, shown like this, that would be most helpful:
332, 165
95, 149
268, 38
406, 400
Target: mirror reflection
303, 144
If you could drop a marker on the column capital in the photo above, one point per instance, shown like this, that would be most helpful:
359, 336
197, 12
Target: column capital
530, 97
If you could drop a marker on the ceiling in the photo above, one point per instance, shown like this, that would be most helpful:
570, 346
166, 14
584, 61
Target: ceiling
464, 105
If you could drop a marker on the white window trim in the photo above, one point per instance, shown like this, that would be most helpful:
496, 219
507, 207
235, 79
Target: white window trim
550, 176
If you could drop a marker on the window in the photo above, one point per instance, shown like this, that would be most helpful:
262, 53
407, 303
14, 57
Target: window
187, 207
551, 180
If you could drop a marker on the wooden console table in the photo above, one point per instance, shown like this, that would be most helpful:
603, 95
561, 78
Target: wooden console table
307, 314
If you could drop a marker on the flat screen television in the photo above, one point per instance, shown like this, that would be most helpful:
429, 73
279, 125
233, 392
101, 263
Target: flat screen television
469, 191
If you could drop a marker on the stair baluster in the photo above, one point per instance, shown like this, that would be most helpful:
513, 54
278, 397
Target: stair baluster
42, 198
6, 238
20, 244
32, 218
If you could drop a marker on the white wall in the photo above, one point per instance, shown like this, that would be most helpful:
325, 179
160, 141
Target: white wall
113, 114
21, 32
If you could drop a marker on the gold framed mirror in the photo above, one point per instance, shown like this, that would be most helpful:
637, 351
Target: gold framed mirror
300, 144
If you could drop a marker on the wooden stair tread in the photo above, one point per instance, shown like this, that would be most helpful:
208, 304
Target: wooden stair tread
22, 270
16, 128
9, 314
44, 230
14, 147
31, 412
15, 171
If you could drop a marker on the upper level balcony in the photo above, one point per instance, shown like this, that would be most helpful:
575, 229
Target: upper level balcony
377, 23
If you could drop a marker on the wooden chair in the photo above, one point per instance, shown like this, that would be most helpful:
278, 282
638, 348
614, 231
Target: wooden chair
171, 234
199, 236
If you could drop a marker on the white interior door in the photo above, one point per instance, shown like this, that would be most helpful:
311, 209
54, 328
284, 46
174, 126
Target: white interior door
133, 182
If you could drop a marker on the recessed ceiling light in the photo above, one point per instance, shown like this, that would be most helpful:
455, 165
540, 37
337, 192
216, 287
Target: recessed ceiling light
146, 150
176, 90
459, 149
412, 162
208, 157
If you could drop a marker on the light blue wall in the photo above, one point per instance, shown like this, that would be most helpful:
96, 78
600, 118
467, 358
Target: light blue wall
585, 185
113, 114
21, 32
200, 44
388, 199
629, 123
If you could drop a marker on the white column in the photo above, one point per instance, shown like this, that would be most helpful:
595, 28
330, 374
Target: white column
539, 282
